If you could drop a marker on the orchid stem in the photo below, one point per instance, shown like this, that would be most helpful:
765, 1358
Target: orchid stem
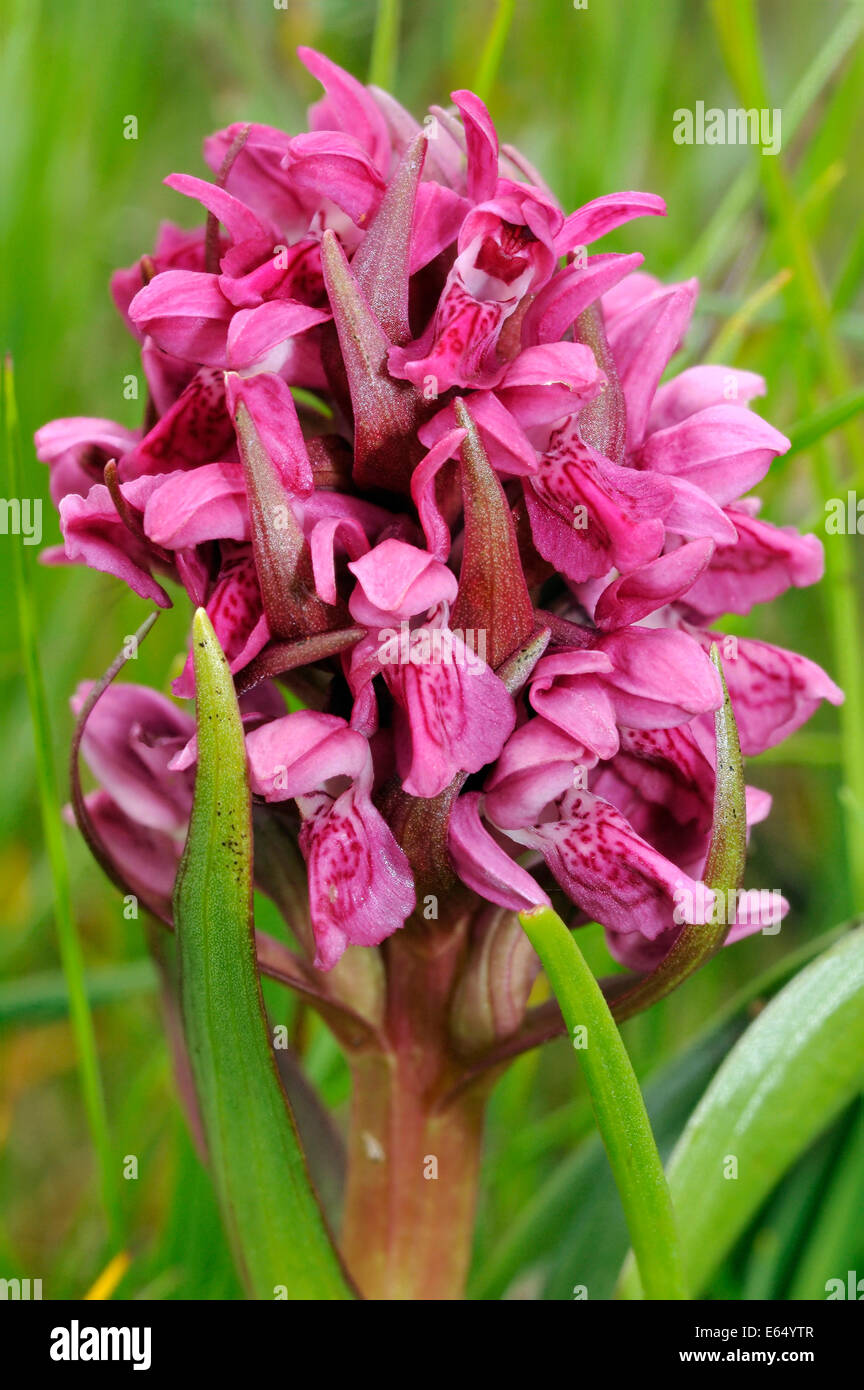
618, 1105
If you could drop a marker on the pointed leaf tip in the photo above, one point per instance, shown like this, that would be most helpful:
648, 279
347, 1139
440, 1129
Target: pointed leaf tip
493, 596
381, 264
723, 872
727, 855
387, 413
603, 421
282, 557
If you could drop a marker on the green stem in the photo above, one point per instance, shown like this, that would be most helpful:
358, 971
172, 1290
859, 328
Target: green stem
618, 1105
413, 1171
490, 58
71, 954
385, 44
413, 1157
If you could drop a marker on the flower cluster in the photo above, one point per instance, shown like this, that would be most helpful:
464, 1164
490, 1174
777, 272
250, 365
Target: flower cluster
392, 392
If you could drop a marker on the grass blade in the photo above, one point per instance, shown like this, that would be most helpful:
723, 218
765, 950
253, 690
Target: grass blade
820, 423
618, 1105
269, 1208
385, 44
783, 1083
71, 954
715, 240
490, 58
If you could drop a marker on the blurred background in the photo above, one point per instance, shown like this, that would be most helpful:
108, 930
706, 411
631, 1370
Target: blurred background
588, 94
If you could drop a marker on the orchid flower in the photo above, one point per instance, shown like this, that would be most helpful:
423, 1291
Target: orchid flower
467, 589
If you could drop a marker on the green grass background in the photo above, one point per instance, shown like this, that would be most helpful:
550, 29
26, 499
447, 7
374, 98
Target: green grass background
588, 95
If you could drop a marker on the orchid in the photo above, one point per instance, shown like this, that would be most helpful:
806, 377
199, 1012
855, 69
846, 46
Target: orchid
394, 392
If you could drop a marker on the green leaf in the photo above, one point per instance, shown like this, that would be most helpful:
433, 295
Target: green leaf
269, 1208
833, 1241
822, 421
44, 997
791, 1073
618, 1105
573, 1226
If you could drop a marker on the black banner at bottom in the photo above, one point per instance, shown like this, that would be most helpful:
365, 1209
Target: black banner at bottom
86, 1339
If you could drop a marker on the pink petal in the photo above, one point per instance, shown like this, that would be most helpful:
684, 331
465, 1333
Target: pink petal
147, 859
361, 888
773, 691
325, 166
725, 450
620, 516
299, 753
256, 175
658, 681
550, 381
580, 706
95, 536
643, 338
696, 388
693, 514
438, 215
632, 596
240, 222
765, 561
603, 215
459, 349
322, 544
129, 741
348, 107
558, 304
197, 429
193, 506
261, 337
611, 873
483, 865
506, 443
77, 449
435, 528
293, 273
186, 314
458, 715
482, 142
398, 581
537, 765
274, 415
